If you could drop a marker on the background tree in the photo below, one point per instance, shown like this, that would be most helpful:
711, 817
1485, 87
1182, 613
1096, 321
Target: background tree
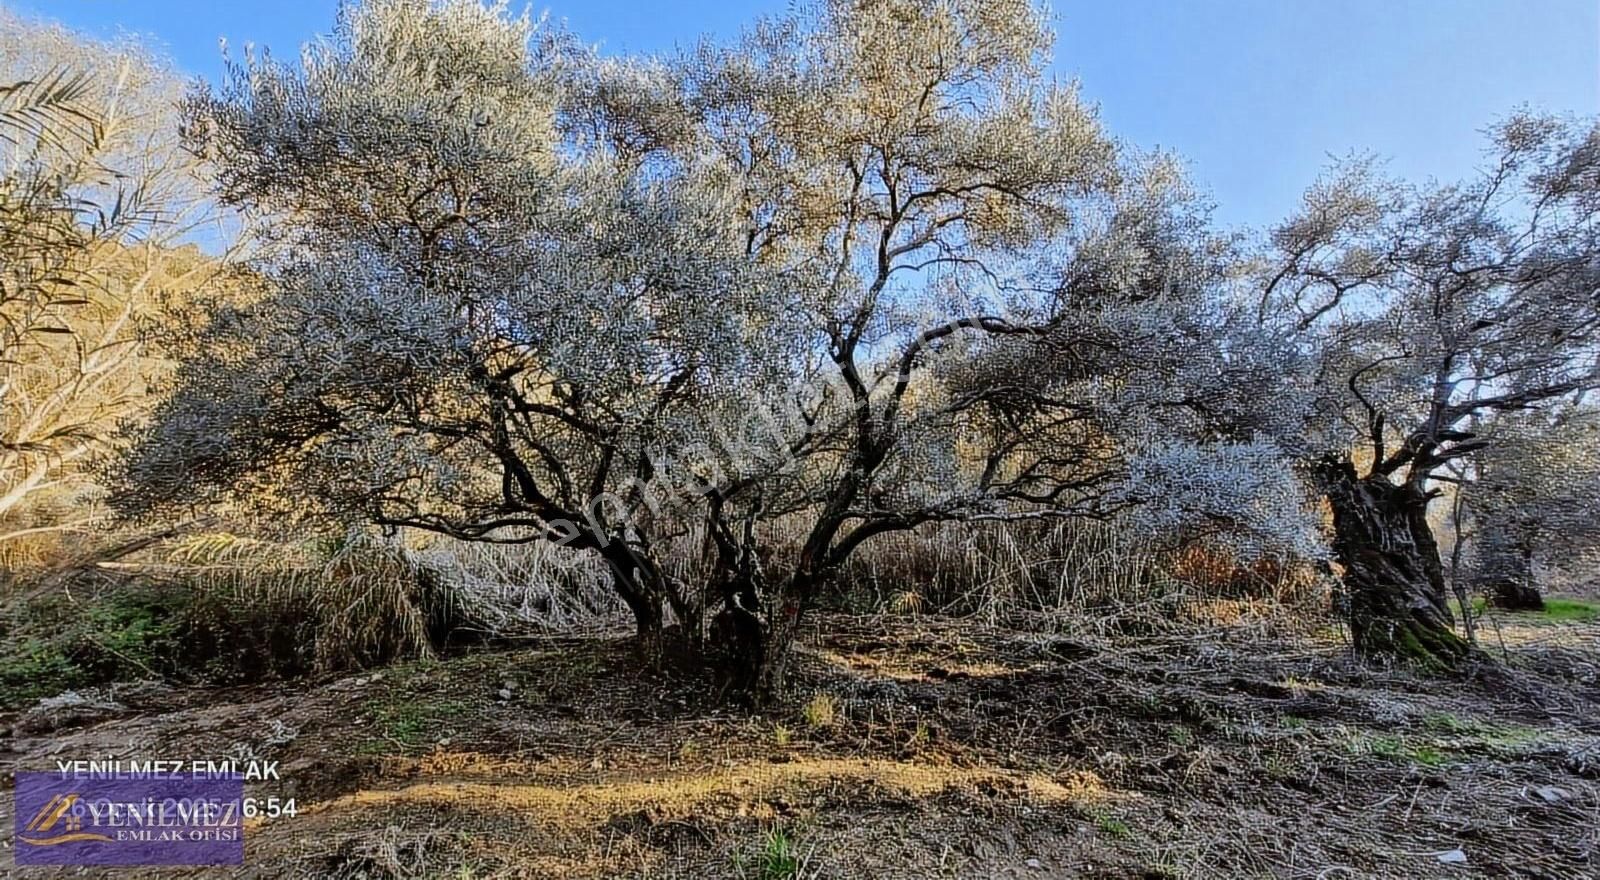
1533, 495
95, 196
1430, 306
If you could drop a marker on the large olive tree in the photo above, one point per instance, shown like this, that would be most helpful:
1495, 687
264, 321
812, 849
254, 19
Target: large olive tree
1431, 308
477, 326
1017, 318
861, 270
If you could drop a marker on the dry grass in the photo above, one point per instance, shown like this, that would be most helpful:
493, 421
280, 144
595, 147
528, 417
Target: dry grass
954, 750
1073, 569
699, 794
378, 597
351, 602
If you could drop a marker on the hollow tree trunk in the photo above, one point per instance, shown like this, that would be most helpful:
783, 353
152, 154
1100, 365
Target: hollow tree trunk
752, 651
1393, 577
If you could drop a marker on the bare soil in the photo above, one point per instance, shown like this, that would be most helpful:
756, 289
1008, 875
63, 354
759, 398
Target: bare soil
912, 749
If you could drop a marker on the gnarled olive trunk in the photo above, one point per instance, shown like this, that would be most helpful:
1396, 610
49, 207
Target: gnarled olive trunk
634, 581
751, 651
1393, 577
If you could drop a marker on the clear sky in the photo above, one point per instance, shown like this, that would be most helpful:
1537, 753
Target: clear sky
1256, 94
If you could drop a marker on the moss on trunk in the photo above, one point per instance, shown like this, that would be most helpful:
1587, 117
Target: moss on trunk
1393, 578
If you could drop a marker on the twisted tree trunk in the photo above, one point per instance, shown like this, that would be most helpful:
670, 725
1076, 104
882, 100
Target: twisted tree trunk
752, 650
634, 581
1393, 577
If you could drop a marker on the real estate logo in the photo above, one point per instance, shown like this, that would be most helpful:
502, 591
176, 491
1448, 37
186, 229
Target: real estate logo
128, 819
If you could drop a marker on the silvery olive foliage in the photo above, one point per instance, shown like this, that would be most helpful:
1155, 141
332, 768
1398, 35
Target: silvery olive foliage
1534, 493
1009, 307
475, 327
861, 269
1435, 304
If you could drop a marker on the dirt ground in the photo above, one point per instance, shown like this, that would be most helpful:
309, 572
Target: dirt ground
913, 749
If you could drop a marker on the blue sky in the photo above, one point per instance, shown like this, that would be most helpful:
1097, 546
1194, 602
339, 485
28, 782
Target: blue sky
1256, 94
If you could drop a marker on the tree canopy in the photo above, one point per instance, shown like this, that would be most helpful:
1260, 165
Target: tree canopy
863, 268
1428, 307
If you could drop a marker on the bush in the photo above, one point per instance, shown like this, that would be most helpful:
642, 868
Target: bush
61, 644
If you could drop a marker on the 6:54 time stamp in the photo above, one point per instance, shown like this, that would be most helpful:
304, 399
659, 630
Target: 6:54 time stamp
269, 807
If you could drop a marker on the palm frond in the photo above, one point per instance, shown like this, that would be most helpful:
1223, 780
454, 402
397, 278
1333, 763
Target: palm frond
48, 110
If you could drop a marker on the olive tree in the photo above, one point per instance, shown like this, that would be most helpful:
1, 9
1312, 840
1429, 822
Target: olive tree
861, 270
1533, 494
475, 327
1431, 307
1012, 319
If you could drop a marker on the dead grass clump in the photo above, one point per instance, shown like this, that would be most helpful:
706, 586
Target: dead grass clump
361, 600
367, 599
1098, 575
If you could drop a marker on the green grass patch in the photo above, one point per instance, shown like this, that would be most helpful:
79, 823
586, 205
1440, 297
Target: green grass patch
1447, 737
34, 668
1558, 609
1444, 722
1577, 610
1107, 822
777, 858
1398, 748
1111, 826
59, 645
407, 717
1505, 739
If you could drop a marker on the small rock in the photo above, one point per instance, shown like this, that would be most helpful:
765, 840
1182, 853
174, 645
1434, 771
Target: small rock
509, 685
1451, 857
504, 694
1035, 864
1552, 794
